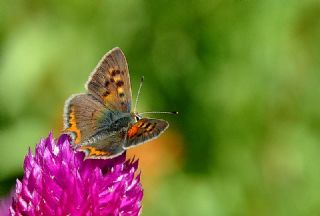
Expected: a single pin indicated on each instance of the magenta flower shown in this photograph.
(57, 181)
(5, 203)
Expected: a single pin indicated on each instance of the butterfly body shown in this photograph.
(100, 122)
(112, 121)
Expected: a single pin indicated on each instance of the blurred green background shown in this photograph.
(243, 74)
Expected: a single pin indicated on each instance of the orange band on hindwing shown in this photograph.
(94, 152)
(73, 126)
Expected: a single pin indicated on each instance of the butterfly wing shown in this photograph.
(84, 121)
(81, 117)
(110, 81)
(144, 130)
(105, 147)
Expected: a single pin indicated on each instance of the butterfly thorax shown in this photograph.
(113, 121)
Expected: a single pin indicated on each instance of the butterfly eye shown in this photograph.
(138, 117)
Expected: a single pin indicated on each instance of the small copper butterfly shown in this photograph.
(100, 122)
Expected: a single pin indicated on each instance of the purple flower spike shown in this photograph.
(58, 181)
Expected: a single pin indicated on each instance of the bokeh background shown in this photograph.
(243, 74)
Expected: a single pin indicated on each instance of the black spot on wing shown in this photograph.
(115, 72)
(147, 125)
(106, 93)
(119, 83)
(150, 128)
(106, 84)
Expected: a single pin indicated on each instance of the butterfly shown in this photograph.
(100, 122)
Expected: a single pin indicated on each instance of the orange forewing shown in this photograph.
(143, 130)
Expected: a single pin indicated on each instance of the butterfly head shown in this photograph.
(136, 116)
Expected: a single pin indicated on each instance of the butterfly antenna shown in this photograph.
(138, 94)
(171, 113)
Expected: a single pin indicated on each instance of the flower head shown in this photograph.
(58, 181)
